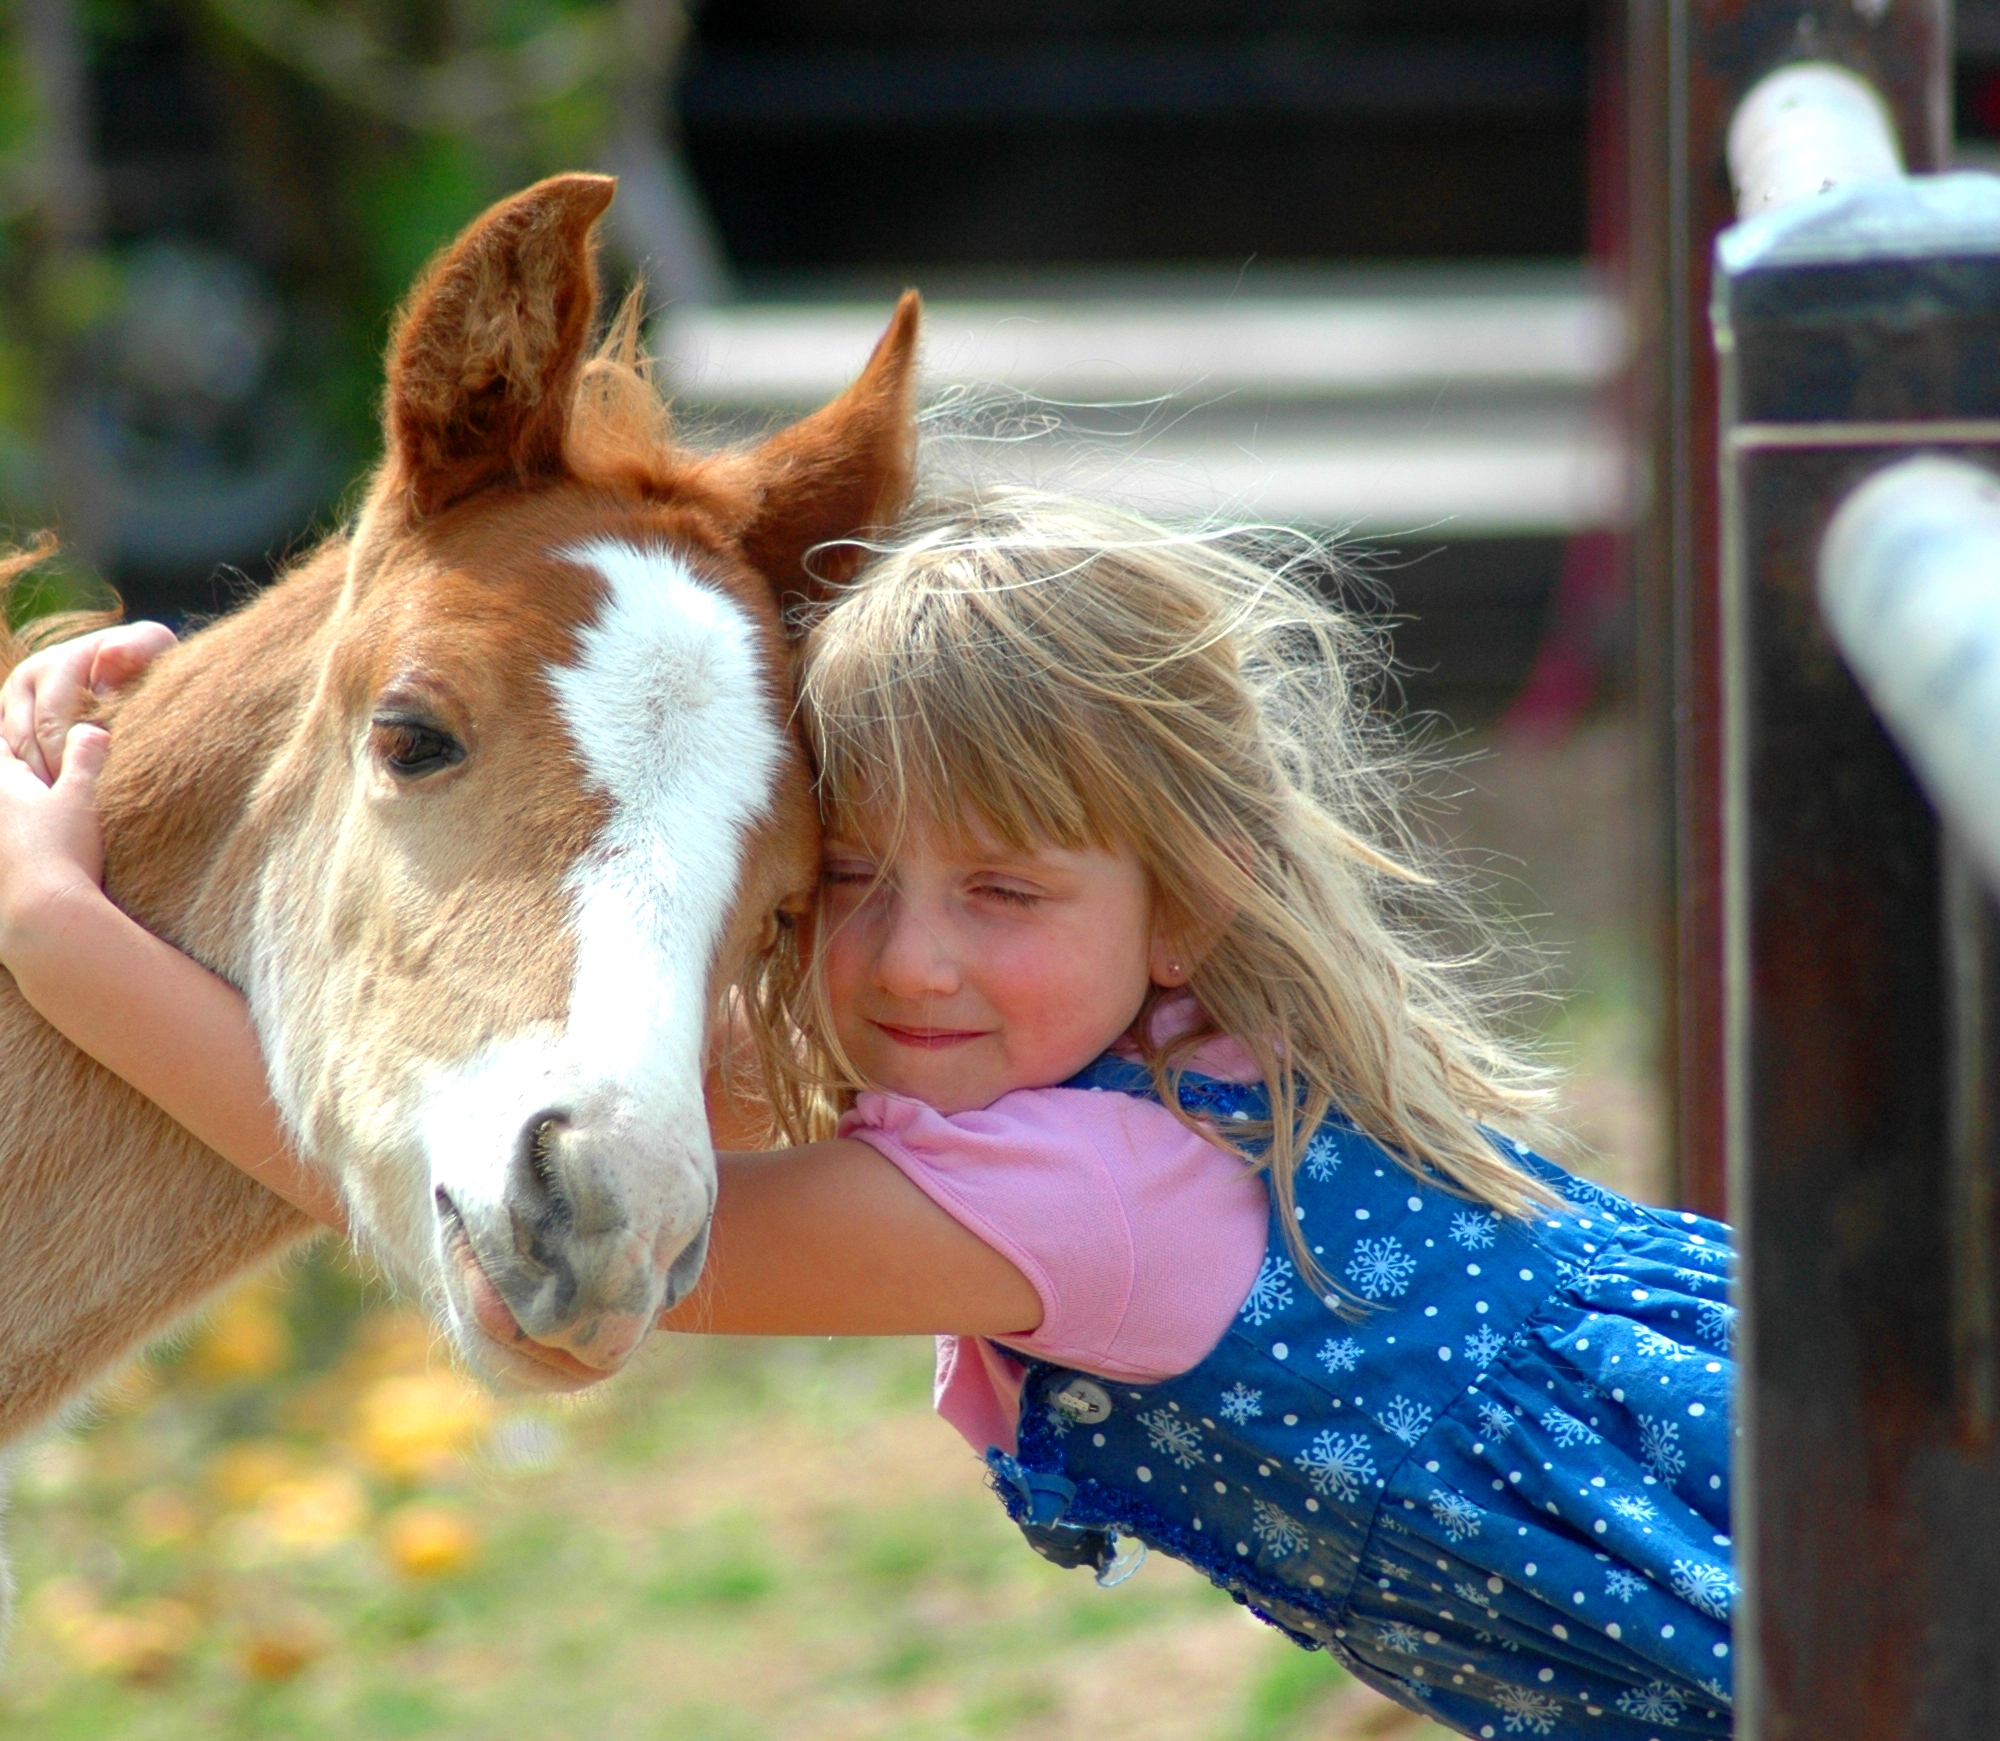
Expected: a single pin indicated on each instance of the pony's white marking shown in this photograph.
(668, 708)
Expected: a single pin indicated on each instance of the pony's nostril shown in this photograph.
(535, 1193)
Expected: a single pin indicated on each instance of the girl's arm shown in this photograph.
(828, 1240)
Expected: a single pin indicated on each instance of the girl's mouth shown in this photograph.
(927, 1039)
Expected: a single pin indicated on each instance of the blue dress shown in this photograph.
(1493, 1481)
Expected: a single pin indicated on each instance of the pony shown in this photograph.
(483, 804)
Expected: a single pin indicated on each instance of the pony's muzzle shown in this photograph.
(590, 1240)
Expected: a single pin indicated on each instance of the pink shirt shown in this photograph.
(1140, 1237)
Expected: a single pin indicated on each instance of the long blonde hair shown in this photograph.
(1045, 671)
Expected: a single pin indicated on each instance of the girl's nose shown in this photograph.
(915, 959)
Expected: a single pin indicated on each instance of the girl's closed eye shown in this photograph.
(1009, 894)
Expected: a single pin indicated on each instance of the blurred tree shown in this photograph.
(207, 208)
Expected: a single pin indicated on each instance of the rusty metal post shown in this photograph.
(1854, 329)
(1689, 63)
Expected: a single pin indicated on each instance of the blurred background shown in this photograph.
(1350, 265)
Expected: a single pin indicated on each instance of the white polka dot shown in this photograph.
(1720, 1649)
(1097, 1439)
(1143, 1473)
(1666, 1632)
(1317, 1582)
(1529, 1568)
(1479, 1305)
(1298, 1213)
(1527, 1275)
(1433, 1468)
(1361, 1215)
(1430, 1311)
(1640, 1294)
(1312, 1505)
(1713, 1366)
(1547, 1674)
(1615, 1629)
(1577, 1598)
(1560, 1630)
(1416, 1202)
(1583, 1342)
(1617, 1394)
(1243, 1548)
(1279, 1351)
(1472, 1269)
(1486, 1732)
(1444, 1353)
(1715, 1481)
(1695, 1408)
(1222, 1487)
(1598, 1526)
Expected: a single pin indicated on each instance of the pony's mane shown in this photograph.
(621, 430)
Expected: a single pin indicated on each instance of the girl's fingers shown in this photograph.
(83, 760)
(126, 651)
(61, 699)
(17, 732)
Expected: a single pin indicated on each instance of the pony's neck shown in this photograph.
(189, 746)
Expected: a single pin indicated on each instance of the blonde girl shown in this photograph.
(1120, 1052)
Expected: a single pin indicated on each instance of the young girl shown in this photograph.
(1117, 1053)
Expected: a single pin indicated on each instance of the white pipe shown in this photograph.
(1909, 582)
(1804, 130)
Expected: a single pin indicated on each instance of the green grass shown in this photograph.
(747, 1540)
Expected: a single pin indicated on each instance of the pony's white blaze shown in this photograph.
(669, 710)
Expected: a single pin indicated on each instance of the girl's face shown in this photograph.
(957, 975)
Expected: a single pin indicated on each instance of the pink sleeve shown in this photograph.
(1140, 1237)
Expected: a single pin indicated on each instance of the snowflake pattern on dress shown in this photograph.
(1341, 1356)
(1270, 1293)
(1281, 1534)
(1659, 1447)
(1567, 1431)
(1494, 1420)
(1456, 1515)
(1652, 1703)
(1322, 1158)
(1484, 1346)
(1400, 1637)
(1379, 1267)
(1173, 1436)
(1240, 1405)
(1717, 1691)
(1523, 1711)
(1467, 1591)
(1338, 1465)
(1635, 1508)
(1475, 1229)
(1704, 1586)
(1621, 1585)
(1408, 1420)
(1657, 1347)
(1716, 1323)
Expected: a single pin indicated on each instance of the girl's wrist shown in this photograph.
(39, 919)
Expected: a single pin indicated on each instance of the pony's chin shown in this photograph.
(494, 1343)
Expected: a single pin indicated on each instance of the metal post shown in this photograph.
(1853, 329)
(1689, 64)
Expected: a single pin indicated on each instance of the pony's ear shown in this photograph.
(486, 353)
(843, 472)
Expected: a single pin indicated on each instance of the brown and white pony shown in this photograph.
(480, 805)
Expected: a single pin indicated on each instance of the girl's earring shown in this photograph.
(1173, 969)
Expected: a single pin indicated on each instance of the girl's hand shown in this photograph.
(50, 692)
(51, 839)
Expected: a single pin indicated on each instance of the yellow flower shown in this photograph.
(423, 1540)
(140, 1643)
(245, 1338)
(419, 1424)
(312, 1512)
(279, 1645)
(243, 1472)
(161, 1517)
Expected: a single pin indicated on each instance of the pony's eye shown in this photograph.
(414, 747)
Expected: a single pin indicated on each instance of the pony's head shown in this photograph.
(546, 801)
